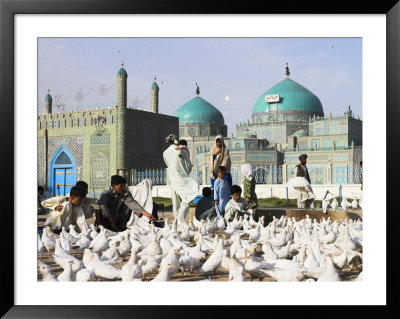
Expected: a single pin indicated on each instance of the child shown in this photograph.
(236, 204)
(249, 185)
(71, 212)
(221, 191)
(182, 146)
(204, 204)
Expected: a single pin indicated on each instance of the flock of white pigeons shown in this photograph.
(344, 204)
(285, 250)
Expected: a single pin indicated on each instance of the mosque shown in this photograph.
(286, 121)
(96, 144)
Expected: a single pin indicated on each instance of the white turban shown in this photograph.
(247, 171)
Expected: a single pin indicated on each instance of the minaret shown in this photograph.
(122, 77)
(154, 97)
(48, 103)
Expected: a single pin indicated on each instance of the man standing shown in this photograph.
(306, 197)
(117, 205)
(183, 188)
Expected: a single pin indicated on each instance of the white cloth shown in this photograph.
(183, 188)
(70, 214)
(52, 203)
(233, 207)
(305, 194)
(142, 194)
(247, 171)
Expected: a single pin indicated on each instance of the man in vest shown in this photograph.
(306, 198)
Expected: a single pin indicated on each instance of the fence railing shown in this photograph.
(157, 176)
(263, 175)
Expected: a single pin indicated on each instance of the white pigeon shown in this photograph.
(40, 246)
(330, 273)
(334, 204)
(325, 204)
(110, 253)
(269, 253)
(165, 273)
(67, 274)
(188, 263)
(101, 243)
(173, 259)
(354, 204)
(73, 232)
(102, 269)
(82, 243)
(149, 265)
(65, 243)
(62, 261)
(253, 268)
(48, 242)
(289, 274)
(46, 272)
(214, 261)
(131, 270)
(254, 234)
(125, 246)
(86, 274)
(236, 270)
(341, 260)
(283, 252)
(93, 234)
(311, 261)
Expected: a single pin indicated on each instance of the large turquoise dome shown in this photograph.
(198, 110)
(292, 97)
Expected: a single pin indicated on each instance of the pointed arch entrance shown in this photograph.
(62, 172)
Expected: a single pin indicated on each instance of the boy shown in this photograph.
(221, 192)
(236, 204)
(204, 204)
(182, 145)
(116, 206)
(70, 213)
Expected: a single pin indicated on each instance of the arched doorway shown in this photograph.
(62, 172)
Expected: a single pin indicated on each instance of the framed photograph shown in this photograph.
(28, 29)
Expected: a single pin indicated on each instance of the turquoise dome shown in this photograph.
(48, 98)
(292, 97)
(300, 133)
(198, 110)
(122, 72)
(154, 86)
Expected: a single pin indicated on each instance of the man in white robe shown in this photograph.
(183, 188)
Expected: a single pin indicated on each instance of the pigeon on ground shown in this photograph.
(67, 274)
(131, 270)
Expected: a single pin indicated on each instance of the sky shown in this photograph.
(232, 73)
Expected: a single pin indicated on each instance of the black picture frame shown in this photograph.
(8, 10)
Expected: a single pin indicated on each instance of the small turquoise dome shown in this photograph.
(48, 97)
(122, 72)
(300, 133)
(154, 86)
(292, 97)
(198, 110)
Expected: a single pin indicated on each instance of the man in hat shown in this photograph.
(183, 188)
(306, 198)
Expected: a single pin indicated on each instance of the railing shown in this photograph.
(262, 175)
(157, 176)
(312, 149)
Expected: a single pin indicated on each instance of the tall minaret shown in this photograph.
(154, 96)
(48, 103)
(122, 77)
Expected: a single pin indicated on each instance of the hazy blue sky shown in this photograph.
(232, 72)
